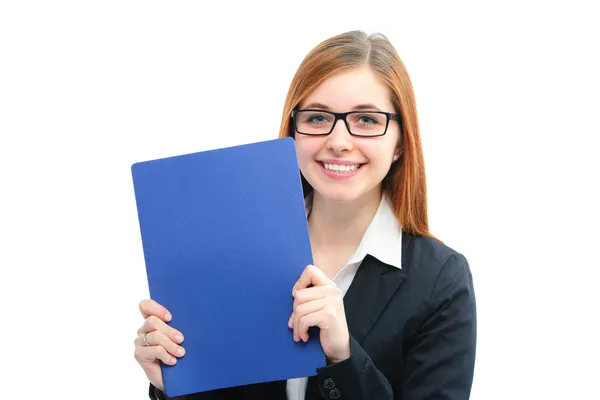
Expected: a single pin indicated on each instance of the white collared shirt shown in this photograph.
(382, 240)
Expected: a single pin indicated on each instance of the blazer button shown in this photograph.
(329, 383)
(334, 393)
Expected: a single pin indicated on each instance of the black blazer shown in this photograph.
(412, 333)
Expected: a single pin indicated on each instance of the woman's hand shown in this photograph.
(321, 305)
(156, 341)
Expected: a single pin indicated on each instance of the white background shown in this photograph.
(508, 100)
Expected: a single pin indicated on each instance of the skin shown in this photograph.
(341, 213)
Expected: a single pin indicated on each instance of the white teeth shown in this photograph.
(341, 168)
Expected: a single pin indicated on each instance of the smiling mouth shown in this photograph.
(341, 168)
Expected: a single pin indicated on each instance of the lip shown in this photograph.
(339, 175)
(340, 162)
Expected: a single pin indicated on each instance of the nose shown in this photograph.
(339, 140)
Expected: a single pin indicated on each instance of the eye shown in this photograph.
(315, 118)
(366, 119)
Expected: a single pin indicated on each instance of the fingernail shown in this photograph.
(168, 316)
(179, 337)
(290, 323)
(173, 360)
(181, 351)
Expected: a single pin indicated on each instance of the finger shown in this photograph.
(148, 354)
(159, 338)
(316, 292)
(150, 307)
(313, 319)
(153, 323)
(303, 310)
(311, 276)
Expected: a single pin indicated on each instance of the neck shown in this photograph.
(338, 225)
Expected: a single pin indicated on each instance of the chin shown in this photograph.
(338, 194)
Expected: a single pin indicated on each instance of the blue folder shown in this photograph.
(225, 237)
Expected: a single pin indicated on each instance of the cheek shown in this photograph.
(378, 152)
(307, 149)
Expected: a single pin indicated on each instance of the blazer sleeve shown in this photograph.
(355, 378)
(439, 358)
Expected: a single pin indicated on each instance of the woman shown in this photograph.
(395, 307)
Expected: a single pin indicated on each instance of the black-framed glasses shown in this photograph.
(315, 122)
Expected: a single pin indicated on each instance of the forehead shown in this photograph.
(345, 90)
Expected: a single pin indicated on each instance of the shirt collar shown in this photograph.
(383, 238)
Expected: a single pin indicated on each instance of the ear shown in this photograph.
(399, 150)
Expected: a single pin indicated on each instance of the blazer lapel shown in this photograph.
(371, 290)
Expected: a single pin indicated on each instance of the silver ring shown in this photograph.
(145, 339)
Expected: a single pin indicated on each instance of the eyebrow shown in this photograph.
(368, 106)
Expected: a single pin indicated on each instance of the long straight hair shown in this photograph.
(405, 183)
